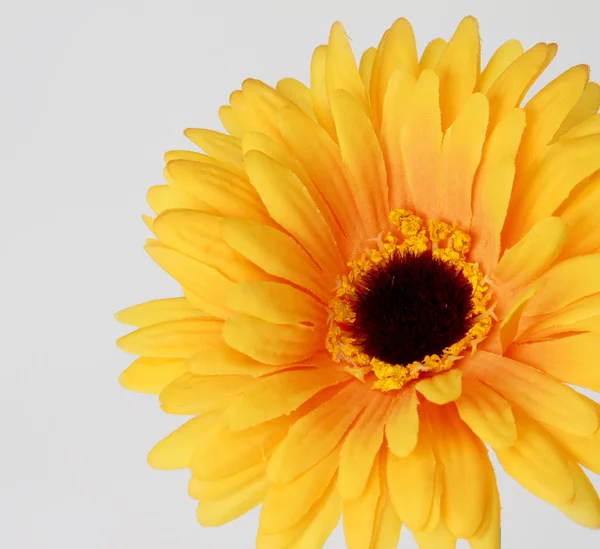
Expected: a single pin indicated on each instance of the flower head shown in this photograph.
(386, 275)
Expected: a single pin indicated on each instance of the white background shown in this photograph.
(91, 95)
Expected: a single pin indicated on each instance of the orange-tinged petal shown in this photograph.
(363, 159)
(219, 488)
(297, 93)
(570, 359)
(580, 215)
(223, 147)
(501, 59)
(151, 375)
(585, 450)
(215, 512)
(313, 530)
(411, 481)
(395, 112)
(271, 343)
(158, 310)
(509, 327)
(487, 413)
(431, 54)
(441, 388)
(537, 463)
(276, 253)
(589, 126)
(175, 451)
(173, 339)
(204, 281)
(402, 424)
(318, 88)
(290, 205)
(315, 435)
(277, 395)
(360, 513)
(533, 254)
(197, 235)
(587, 106)
(365, 67)
(567, 282)
(421, 142)
(509, 89)
(192, 394)
(461, 456)
(286, 504)
(361, 446)
(458, 69)
(341, 70)
(386, 532)
(460, 157)
(536, 393)
(275, 302)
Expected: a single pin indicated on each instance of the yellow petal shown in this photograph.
(458, 69)
(461, 456)
(509, 327)
(363, 159)
(402, 425)
(264, 102)
(313, 530)
(488, 535)
(487, 413)
(197, 235)
(411, 481)
(545, 399)
(584, 509)
(298, 94)
(460, 157)
(276, 253)
(321, 158)
(173, 339)
(230, 121)
(580, 216)
(341, 70)
(537, 463)
(533, 254)
(275, 302)
(237, 450)
(585, 450)
(365, 67)
(396, 108)
(221, 189)
(567, 282)
(223, 360)
(151, 375)
(176, 450)
(501, 59)
(316, 434)
(569, 359)
(441, 388)
(431, 54)
(589, 126)
(158, 310)
(286, 504)
(509, 88)
(440, 538)
(396, 50)
(277, 395)
(290, 205)
(163, 197)
(587, 106)
(222, 487)
(318, 88)
(271, 343)
(360, 448)
(421, 142)
(567, 162)
(387, 525)
(223, 147)
(192, 394)
(204, 281)
(220, 511)
(547, 110)
(183, 154)
(359, 514)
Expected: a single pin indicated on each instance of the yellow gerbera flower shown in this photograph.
(385, 275)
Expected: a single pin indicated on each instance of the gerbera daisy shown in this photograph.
(386, 275)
